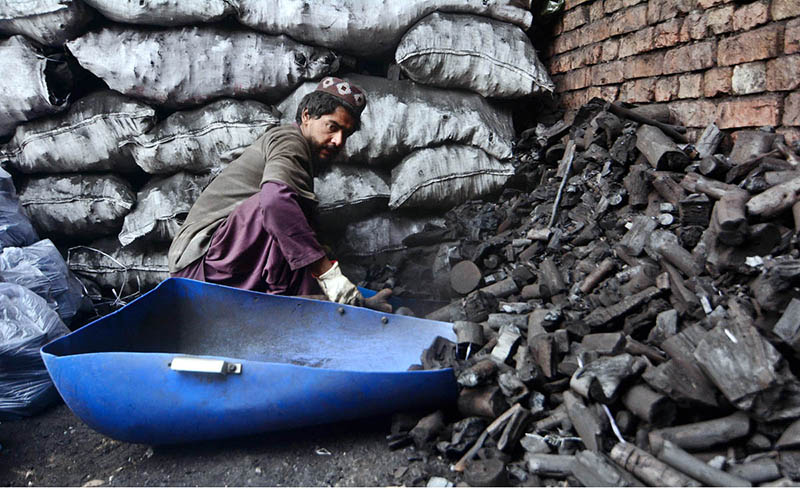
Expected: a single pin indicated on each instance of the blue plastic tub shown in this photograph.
(191, 361)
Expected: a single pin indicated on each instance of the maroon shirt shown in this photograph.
(265, 244)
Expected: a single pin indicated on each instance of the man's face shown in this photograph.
(327, 134)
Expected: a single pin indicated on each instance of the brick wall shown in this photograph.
(710, 60)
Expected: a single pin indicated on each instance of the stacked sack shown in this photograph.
(110, 176)
(38, 295)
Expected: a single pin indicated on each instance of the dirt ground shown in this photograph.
(55, 448)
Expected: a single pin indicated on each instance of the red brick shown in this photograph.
(720, 20)
(610, 50)
(559, 64)
(660, 10)
(666, 88)
(690, 85)
(791, 134)
(576, 18)
(566, 42)
(607, 93)
(638, 91)
(574, 99)
(694, 113)
(706, 4)
(594, 32)
(608, 73)
(611, 6)
(690, 58)
(791, 110)
(694, 27)
(752, 15)
(596, 11)
(792, 37)
(783, 9)
(667, 34)
(749, 78)
(754, 111)
(717, 81)
(783, 74)
(644, 65)
(628, 20)
(573, 80)
(753, 45)
(571, 4)
(636, 43)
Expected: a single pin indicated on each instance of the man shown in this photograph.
(250, 228)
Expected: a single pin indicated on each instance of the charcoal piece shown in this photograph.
(760, 471)
(551, 281)
(709, 141)
(602, 378)
(647, 468)
(502, 288)
(512, 387)
(602, 316)
(650, 406)
(749, 144)
(666, 326)
(485, 472)
(507, 342)
(790, 438)
(545, 354)
(636, 348)
(695, 210)
(665, 244)
(478, 305)
(686, 463)
(487, 401)
(427, 429)
(465, 277)
(774, 200)
(534, 444)
(550, 465)
(636, 238)
(478, 374)
(440, 355)
(595, 469)
(669, 190)
(513, 430)
(608, 343)
(498, 320)
(623, 150)
(659, 150)
(714, 166)
(465, 433)
(703, 435)
(683, 385)
(789, 462)
(749, 371)
(590, 427)
(788, 326)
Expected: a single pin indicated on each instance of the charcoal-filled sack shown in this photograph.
(403, 116)
(128, 270)
(159, 12)
(202, 140)
(87, 137)
(77, 207)
(41, 269)
(347, 194)
(381, 233)
(16, 228)
(48, 22)
(446, 176)
(28, 87)
(191, 66)
(364, 27)
(492, 58)
(161, 207)
(26, 324)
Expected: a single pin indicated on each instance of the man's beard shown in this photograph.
(316, 150)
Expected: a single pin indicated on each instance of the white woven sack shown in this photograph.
(403, 116)
(347, 194)
(163, 12)
(78, 207)
(128, 270)
(489, 57)
(161, 207)
(364, 27)
(446, 176)
(48, 22)
(88, 137)
(202, 140)
(194, 65)
(25, 91)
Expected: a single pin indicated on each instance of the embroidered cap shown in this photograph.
(345, 90)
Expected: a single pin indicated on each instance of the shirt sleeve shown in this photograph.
(286, 222)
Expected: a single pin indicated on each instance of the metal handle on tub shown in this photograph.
(204, 365)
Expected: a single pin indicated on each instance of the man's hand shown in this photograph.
(379, 301)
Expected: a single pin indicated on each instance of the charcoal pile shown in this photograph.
(119, 114)
(627, 313)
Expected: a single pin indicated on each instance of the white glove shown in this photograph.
(338, 288)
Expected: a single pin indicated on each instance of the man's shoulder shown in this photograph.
(284, 137)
